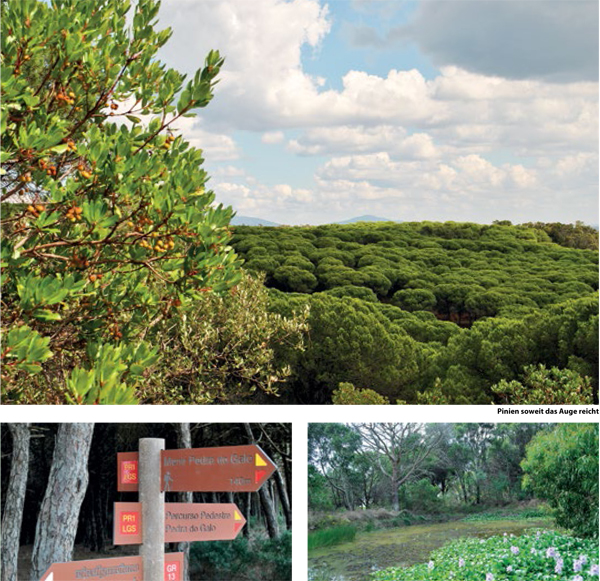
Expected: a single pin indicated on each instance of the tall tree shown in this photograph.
(332, 449)
(265, 498)
(561, 466)
(15, 500)
(404, 446)
(59, 513)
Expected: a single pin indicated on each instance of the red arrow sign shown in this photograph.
(184, 522)
(223, 469)
(115, 569)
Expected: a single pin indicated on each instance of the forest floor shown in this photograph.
(404, 546)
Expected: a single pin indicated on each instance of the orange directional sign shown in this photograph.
(127, 471)
(115, 569)
(223, 469)
(184, 522)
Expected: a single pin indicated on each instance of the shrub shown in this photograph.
(546, 386)
(113, 202)
(561, 467)
(226, 350)
(347, 394)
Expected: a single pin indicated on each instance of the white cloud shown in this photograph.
(556, 40)
(216, 146)
(265, 88)
(272, 137)
(417, 145)
(258, 199)
(228, 171)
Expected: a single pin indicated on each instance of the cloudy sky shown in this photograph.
(411, 110)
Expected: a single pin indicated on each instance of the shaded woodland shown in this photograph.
(267, 534)
(442, 470)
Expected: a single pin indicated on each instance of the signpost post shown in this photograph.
(153, 508)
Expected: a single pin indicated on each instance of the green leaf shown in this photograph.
(59, 148)
(46, 315)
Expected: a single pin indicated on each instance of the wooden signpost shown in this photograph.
(184, 522)
(114, 569)
(152, 522)
(221, 469)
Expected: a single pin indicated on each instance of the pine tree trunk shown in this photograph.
(285, 503)
(59, 514)
(247, 510)
(269, 512)
(15, 500)
(265, 500)
(184, 440)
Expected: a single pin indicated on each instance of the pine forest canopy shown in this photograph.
(437, 312)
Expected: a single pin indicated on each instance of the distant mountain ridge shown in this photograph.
(366, 218)
(251, 221)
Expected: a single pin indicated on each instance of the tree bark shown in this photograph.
(15, 500)
(184, 440)
(247, 510)
(285, 503)
(269, 512)
(265, 500)
(59, 514)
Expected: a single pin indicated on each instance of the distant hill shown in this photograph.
(249, 221)
(366, 218)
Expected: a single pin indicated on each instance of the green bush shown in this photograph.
(561, 467)
(268, 559)
(420, 496)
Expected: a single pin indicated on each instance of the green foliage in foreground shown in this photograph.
(102, 201)
(227, 350)
(347, 394)
(268, 559)
(547, 556)
(561, 467)
(330, 537)
(546, 386)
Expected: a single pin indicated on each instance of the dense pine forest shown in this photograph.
(426, 312)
